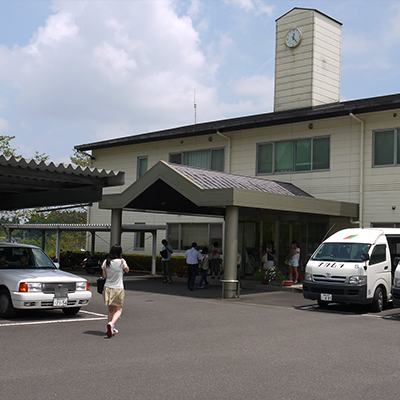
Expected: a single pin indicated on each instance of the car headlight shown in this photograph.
(30, 287)
(82, 286)
(308, 276)
(396, 282)
(358, 280)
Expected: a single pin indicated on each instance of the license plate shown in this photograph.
(60, 301)
(326, 297)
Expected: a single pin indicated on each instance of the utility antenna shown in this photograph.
(195, 106)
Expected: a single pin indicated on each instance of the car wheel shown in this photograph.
(71, 311)
(378, 300)
(6, 307)
(322, 303)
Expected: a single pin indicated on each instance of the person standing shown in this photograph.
(204, 266)
(216, 260)
(193, 258)
(271, 253)
(294, 262)
(113, 269)
(166, 261)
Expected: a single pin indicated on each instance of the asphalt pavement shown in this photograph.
(176, 344)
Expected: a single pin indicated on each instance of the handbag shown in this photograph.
(164, 253)
(100, 285)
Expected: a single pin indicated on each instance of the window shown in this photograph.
(141, 166)
(209, 159)
(139, 238)
(386, 147)
(181, 236)
(378, 254)
(293, 155)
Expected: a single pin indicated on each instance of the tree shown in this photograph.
(81, 159)
(41, 157)
(5, 147)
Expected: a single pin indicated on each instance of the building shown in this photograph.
(313, 166)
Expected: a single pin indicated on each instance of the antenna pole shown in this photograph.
(195, 106)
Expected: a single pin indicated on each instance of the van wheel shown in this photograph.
(322, 303)
(378, 300)
(6, 307)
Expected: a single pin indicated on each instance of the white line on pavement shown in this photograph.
(60, 321)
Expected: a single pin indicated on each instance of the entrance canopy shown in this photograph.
(30, 184)
(179, 189)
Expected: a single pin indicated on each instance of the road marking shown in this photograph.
(97, 317)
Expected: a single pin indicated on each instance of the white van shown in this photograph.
(354, 266)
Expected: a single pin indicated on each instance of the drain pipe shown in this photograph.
(361, 186)
(229, 149)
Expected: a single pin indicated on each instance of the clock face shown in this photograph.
(293, 38)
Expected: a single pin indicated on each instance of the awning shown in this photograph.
(30, 184)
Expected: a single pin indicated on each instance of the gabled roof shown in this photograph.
(309, 114)
(207, 179)
(29, 183)
(178, 189)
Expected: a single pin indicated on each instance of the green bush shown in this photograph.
(136, 262)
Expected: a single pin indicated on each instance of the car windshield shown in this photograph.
(341, 251)
(24, 258)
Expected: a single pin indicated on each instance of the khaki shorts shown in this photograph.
(113, 296)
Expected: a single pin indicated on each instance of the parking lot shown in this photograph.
(177, 344)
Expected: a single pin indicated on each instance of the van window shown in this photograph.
(341, 251)
(378, 254)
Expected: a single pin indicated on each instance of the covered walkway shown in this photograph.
(195, 191)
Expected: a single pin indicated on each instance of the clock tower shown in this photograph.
(307, 59)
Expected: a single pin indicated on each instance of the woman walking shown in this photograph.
(113, 269)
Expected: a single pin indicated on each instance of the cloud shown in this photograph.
(103, 69)
(256, 6)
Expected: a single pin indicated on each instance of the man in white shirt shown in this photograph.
(193, 257)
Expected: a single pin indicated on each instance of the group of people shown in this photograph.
(293, 259)
(114, 267)
(196, 259)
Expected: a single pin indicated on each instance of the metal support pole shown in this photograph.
(230, 286)
(58, 245)
(153, 253)
(116, 226)
(93, 243)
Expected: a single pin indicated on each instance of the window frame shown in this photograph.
(138, 162)
(293, 151)
(396, 155)
(212, 151)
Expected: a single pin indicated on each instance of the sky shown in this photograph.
(81, 71)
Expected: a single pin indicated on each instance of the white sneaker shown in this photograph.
(115, 331)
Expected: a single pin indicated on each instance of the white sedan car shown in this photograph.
(30, 280)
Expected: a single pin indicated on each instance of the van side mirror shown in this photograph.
(365, 256)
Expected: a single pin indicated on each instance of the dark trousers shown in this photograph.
(192, 272)
(203, 277)
(167, 270)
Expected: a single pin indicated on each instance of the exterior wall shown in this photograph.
(309, 74)
(341, 182)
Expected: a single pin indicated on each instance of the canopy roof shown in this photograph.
(179, 189)
(29, 183)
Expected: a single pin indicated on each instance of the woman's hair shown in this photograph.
(115, 252)
(204, 251)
